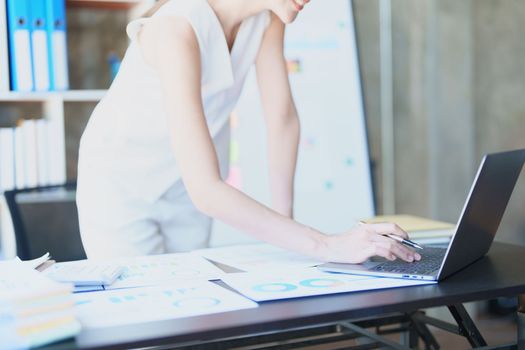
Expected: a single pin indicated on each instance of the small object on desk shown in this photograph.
(46, 264)
(84, 273)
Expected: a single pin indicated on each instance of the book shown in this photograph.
(20, 171)
(7, 159)
(30, 152)
(42, 141)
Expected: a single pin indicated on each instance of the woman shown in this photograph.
(154, 154)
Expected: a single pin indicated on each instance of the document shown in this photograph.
(32, 264)
(257, 257)
(160, 269)
(307, 282)
(147, 304)
(19, 280)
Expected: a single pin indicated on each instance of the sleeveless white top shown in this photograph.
(126, 144)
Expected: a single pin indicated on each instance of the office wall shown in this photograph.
(458, 87)
(499, 81)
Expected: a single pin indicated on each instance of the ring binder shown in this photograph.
(39, 44)
(21, 70)
(56, 33)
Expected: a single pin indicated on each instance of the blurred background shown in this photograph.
(457, 91)
(458, 85)
(442, 83)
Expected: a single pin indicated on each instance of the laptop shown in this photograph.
(489, 195)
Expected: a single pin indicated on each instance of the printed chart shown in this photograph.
(148, 304)
(307, 282)
(258, 257)
(161, 269)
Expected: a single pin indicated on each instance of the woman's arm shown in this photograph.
(169, 45)
(281, 118)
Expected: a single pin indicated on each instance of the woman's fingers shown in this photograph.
(386, 228)
(396, 248)
(384, 252)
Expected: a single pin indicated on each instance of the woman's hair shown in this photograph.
(154, 9)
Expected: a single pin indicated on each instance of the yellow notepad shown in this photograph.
(415, 224)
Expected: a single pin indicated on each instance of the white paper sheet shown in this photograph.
(137, 305)
(159, 269)
(18, 281)
(32, 264)
(257, 257)
(307, 282)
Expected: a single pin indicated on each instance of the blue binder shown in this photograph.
(56, 32)
(21, 70)
(4, 51)
(39, 45)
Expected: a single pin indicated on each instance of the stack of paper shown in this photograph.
(421, 230)
(33, 309)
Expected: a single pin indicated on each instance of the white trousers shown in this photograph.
(115, 225)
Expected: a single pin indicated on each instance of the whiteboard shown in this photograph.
(333, 186)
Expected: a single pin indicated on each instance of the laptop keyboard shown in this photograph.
(431, 259)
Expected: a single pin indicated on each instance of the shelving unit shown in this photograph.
(53, 108)
(65, 96)
(53, 105)
(53, 111)
(114, 4)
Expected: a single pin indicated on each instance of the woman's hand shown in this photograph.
(366, 241)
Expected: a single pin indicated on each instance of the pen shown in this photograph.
(406, 242)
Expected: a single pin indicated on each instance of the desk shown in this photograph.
(500, 274)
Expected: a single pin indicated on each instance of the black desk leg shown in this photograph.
(467, 328)
(521, 321)
(423, 331)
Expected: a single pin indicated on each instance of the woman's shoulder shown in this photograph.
(172, 16)
(181, 7)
